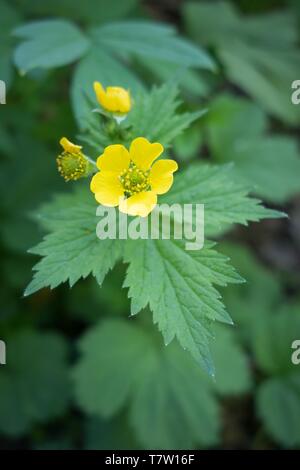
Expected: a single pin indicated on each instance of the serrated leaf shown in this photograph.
(48, 43)
(161, 272)
(155, 115)
(34, 383)
(223, 195)
(171, 404)
(72, 250)
(178, 286)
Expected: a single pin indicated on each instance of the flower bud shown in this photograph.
(71, 163)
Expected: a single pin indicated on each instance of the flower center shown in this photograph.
(72, 166)
(134, 180)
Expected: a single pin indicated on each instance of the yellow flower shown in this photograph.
(71, 163)
(114, 99)
(129, 180)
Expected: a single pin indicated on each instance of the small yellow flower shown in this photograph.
(129, 180)
(114, 99)
(71, 163)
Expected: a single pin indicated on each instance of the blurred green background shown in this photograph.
(79, 373)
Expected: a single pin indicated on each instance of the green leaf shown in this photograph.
(177, 285)
(230, 121)
(223, 194)
(34, 383)
(278, 398)
(251, 69)
(231, 363)
(114, 47)
(236, 132)
(154, 115)
(48, 43)
(272, 340)
(262, 63)
(72, 250)
(153, 40)
(187, 145)
(278, 405)
(269, 330)
(161, 272)
(272, 164)
(164, 275)
(190, 80)
(258, 296)
(171, 405)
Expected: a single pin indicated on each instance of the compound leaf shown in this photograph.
(48, 43)
(72, 250)
(171, 403)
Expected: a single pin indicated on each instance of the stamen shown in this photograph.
(134, 180)
(72, 166)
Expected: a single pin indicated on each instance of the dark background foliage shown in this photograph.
(250, 122)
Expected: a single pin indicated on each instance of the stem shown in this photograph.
(91, 161)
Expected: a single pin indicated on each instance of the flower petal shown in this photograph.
(140, 204)
(114, 99)
(69, 146)
(114, 158)
(161, 175)
(143, 153)
(107, 188)
(119, 99)
(100, 92)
